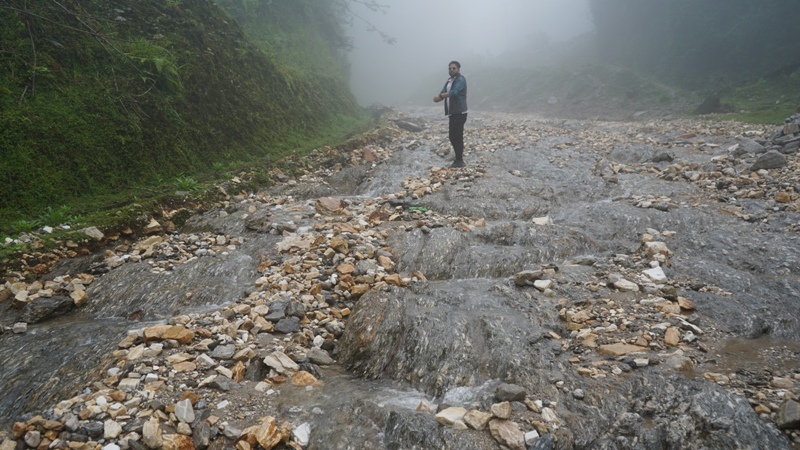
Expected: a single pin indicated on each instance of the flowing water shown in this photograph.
(466, 330)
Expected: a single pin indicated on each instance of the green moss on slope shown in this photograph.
(98, 96)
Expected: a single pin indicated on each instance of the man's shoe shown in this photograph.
(458, 163)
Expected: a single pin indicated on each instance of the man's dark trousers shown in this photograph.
(457, 122)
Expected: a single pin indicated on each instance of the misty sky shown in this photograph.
(431, 33)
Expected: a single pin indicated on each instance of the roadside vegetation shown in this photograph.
(110, 111)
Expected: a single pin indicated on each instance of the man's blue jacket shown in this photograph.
(457, 96)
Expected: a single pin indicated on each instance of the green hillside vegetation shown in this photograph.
(698, 45)
(102, 100)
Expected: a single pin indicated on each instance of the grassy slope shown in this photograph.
(102, 102)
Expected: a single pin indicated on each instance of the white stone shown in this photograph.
(224, 371)
(281, 363)
(111, 429)
(543, 285)
(184, 429)
(153, 351)
(549, 415)
(450, 415)
(223, 404)
(93, 232)
(207, 381)
(135, 353)
(541, 221)
(625, 285)
(129, 384)
(302, 434)
(184, 411)
(656, 274)
(531, 437)
(205, 360)
(151, 434)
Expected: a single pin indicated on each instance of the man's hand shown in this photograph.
(438, 98)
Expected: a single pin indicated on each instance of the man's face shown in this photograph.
(453, 70)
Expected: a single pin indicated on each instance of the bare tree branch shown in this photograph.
(374, 6)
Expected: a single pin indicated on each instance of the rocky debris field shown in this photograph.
(577, 285)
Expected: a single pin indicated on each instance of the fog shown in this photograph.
(431, 33)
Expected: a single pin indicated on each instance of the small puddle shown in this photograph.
(739, 353)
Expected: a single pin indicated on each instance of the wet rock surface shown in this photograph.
(580, 284)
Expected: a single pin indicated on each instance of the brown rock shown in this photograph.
(672, 336)
(154, 333)
(502, 410)
(128, 341)
(393, 279)
(79, 297)
(507, 433)
(153, 227)
(386, 262)
(303, 378)
(345, 269)
(268, 434)
(339, 244)
(186, 366)
(359, 290)
(238, 371)
(782, 383)
(477, 420)
(19, 429)
(579, 317)
(245, 354)
(177, 442)
(53, 425)
(178, 333)
(783, 197)
(620, 349)
(686, 304)
(761, 409)
(330, 205)
(670, 308)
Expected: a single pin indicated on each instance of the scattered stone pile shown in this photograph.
(192, 381)
(786, 139)
(504, 418)
(650, 324)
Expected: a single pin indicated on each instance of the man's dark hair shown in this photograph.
(458, 64)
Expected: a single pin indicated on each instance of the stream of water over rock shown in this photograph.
(574, 199)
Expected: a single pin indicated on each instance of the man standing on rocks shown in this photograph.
(454, 94)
